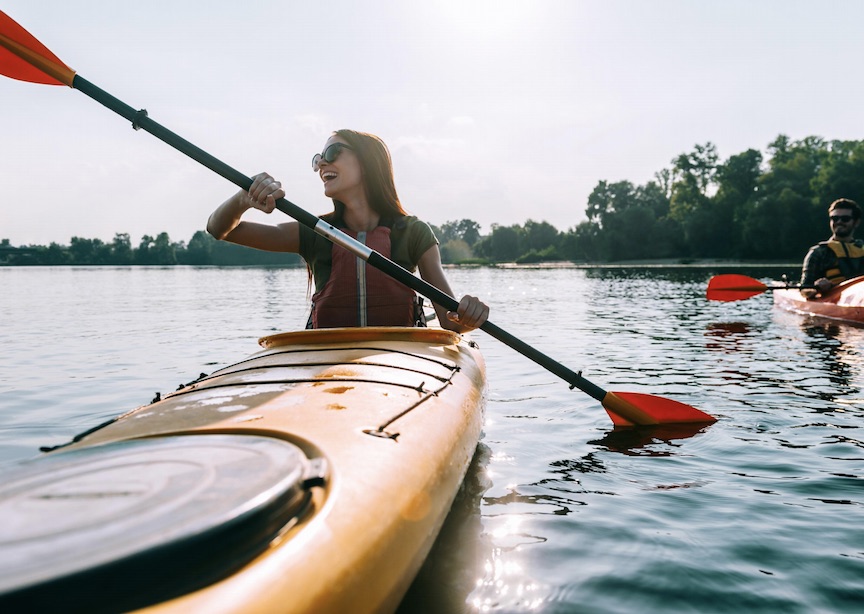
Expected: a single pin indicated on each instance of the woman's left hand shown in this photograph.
(471, 313)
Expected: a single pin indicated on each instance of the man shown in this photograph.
(839, 258)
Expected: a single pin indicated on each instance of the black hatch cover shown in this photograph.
(127, 524)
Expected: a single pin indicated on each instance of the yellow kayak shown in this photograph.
(313, 476)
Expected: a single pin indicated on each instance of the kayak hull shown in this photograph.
(844, 303)
(392, 415)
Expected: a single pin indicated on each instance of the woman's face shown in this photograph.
(342, 176)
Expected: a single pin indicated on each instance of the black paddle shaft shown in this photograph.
(140, 120)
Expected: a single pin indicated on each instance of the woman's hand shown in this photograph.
(471, 313)
(263, 193)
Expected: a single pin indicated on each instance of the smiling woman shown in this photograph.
(357, 174)
(375, 204)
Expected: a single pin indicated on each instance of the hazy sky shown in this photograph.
(495, 110)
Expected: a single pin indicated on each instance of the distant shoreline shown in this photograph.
(640, 264)
(644, 264)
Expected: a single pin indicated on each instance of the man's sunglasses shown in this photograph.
(841, 218)
(329, 155)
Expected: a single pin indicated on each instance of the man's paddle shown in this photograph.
(734, 287)
(25, 58)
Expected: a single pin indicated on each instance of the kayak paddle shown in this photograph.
(24, 58)
(734, 287)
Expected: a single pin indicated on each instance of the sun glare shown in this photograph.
(485, 17)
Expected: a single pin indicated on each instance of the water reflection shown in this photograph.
(727, 329)
(726, 336)
(649, 440)
(581, 517)
(474, 566)
(459, 559)
(479, 562)
(506, 583)
(842, 360)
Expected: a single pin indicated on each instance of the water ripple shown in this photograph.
(759, 512)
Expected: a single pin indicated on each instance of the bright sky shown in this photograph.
(498, 111)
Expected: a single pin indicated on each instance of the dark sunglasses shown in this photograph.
(329, 155)
(841, 218)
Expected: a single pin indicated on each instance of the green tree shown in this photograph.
(121, 249)
(163, 251)
(737, 191)
(200, 249)
(462, 230)
(690, 206)
(784, 220)
(89, 251)
(144, 253)
(655, 197)
(692, 177)
(55, 254)
(607, 199)
(629, 222)
(456, 251)
(840, 175)
(701, 164)
(584, 243)
(538, 236)
(501, 245)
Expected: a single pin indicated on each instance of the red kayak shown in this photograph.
(844, 302)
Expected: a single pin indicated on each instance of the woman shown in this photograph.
(358, 175)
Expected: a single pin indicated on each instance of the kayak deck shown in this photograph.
(843, 303)
(386, 421)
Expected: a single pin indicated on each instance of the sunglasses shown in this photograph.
(329, 155)
(841, 218)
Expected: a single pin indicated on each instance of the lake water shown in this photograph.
(762, 511)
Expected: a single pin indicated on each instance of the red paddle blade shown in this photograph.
(24, 58)
(733, 287)
(636, 408)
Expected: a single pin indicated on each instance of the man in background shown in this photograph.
(839, 258)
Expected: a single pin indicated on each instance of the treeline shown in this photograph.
(745, 207)
(202, 249)
(748, 207)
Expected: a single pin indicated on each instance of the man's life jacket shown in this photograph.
(357, 294)
(848, 262)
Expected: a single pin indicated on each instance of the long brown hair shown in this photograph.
(377, 171)
(376, 168)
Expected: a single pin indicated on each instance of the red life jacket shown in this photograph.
(357, 294)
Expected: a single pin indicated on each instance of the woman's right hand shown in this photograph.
(262, 194)
(471, 313)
